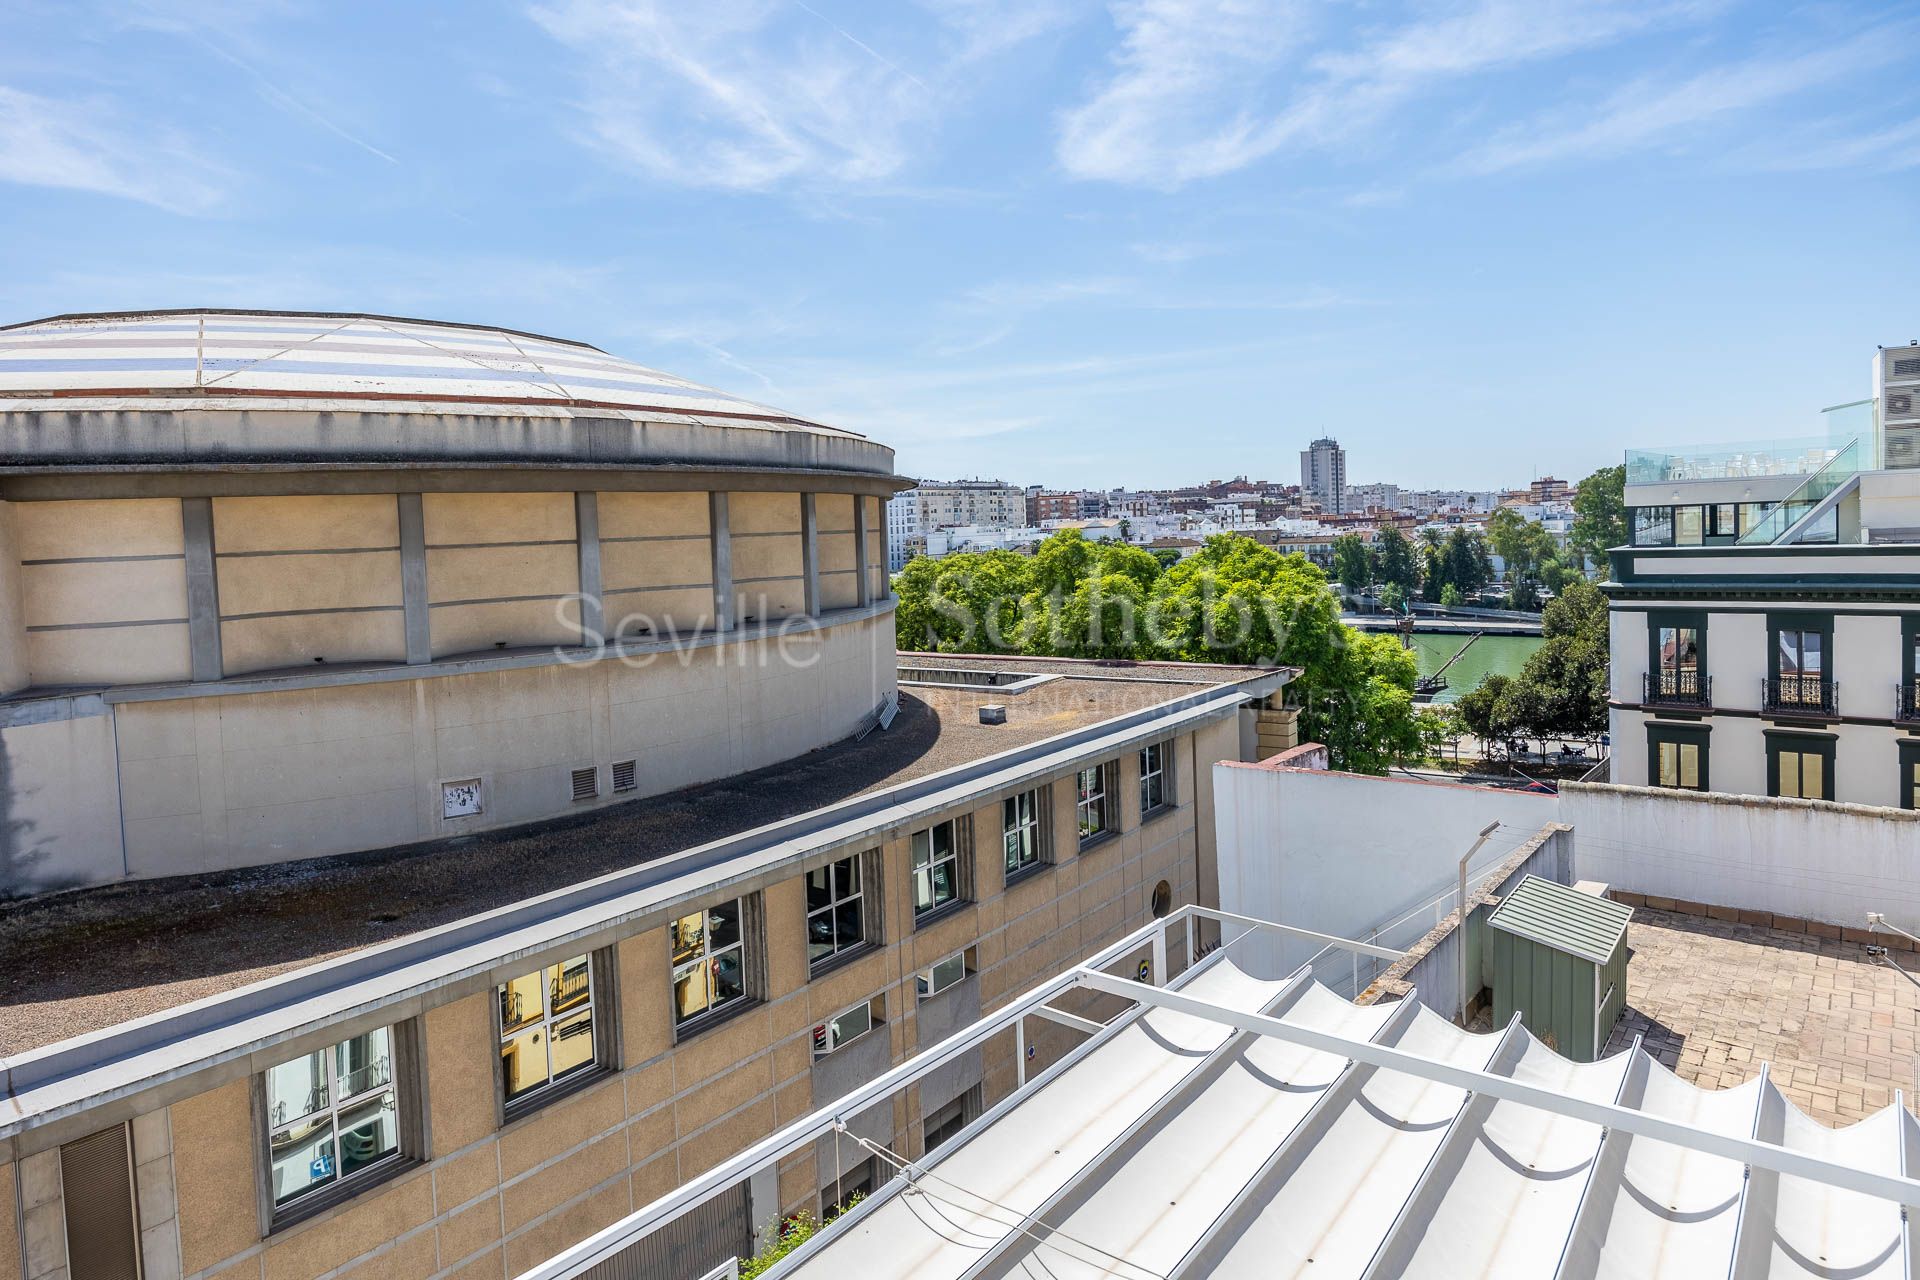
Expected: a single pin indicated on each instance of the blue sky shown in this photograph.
(1067, 242)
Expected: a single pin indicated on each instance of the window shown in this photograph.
(1020, 831)
(1153, 778)
(1652, 526)
(332, 1117)
(845, 1027)
(1799, 664)
(943, 974)
(97, 1194)
(1725, 520)
(1677, 756)
(1095, 818)
(949, 1120)
(1751, 514)
(849, 1189)
(936, 867)
(546, 1028)
(836, 911)
(1688, 526)
(1800, 766)
(709, 956)
(1678, 657)
(1909, 771)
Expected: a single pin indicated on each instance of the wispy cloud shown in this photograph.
(760, 94)
(1653, 111)
(91, 145)
(1201, 88)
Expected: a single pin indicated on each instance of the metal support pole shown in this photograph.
(1159, 953)
(1020, 1053)
(1460, 948)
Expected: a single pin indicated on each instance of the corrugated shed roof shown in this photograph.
(1555, 915)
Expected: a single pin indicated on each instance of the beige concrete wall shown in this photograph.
(494, 1200)
(839, 575)
(14, 673)
(305, 580)
(876, 549)
(499, 569)
(767, 557)
(59, 815)
(10, 1260)
(656, 562)
(103, 590)
(245, 779)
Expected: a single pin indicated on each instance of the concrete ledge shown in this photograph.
(1765, 920)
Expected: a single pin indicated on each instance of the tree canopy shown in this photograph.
(1561, 692)
(1600, 514)
(1234, 601)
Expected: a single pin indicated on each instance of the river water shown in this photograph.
(1504, 654)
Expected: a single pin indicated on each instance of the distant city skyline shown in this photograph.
(1475, 243)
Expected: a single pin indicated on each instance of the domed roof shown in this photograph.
(211, 355)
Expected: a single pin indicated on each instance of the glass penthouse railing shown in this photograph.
(1796, 457)
(1811, 492)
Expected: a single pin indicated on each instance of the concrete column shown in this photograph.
(586, 532)
(863, 593)
(810, 554)
(413, 579)
(203, 589)
(722, 539)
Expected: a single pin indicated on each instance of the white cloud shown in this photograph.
(1201, 88)
(1654, 112)
(760, 94)
(88, 145)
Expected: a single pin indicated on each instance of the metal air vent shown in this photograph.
(1899, 404)
(586, 783)
(96, 1181)
(625, 775)
(1906, 368)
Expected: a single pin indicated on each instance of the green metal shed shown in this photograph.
(1560, 959)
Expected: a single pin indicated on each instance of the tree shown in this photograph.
(1561, 691)
(1393, 598)
(1393, 561)
(1233, 601)
(1600, 514)
(1352, 565)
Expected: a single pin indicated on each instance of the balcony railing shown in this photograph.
(1906, 704)
(1807, 694)
(1676, 689)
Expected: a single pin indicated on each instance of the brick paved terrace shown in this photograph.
(1716, 998)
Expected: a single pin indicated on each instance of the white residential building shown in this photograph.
(1765, 615)
(1323, 474)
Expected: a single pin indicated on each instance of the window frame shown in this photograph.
(867, 865)
(875, 1009)
(1163, 774)
(711, 1015)
(404, 1082)
(600, 1007)
(1802, 623)
(1678, 619)
(961, 881)
(928, 991)
(1800, 742)
(1698, 522)
(1678, 735)
(1909, 752)
(1034, 825)
(1107, 771)
(1652, 524)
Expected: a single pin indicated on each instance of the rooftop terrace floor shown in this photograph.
(85, 960)
(1715, 999)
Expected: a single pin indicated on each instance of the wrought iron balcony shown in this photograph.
(1906, 704)
(1805, 694)
(1676, 689)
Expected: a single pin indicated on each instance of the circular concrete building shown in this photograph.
(277, 585)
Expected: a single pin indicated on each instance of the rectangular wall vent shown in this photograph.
(1906, 368)
(96, 1182)
(626, 775)
(586, 783)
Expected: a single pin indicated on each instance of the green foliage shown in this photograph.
(790, 1235)
(1561, 692)
(1394, 562)
(1393, 597)
(1233, 601)
(1600, 514)
(1167, 556)
(1352, 562)
(1450, 597)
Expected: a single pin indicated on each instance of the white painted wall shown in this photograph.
(1827, 862)
(1342, 853)
(59, 806)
